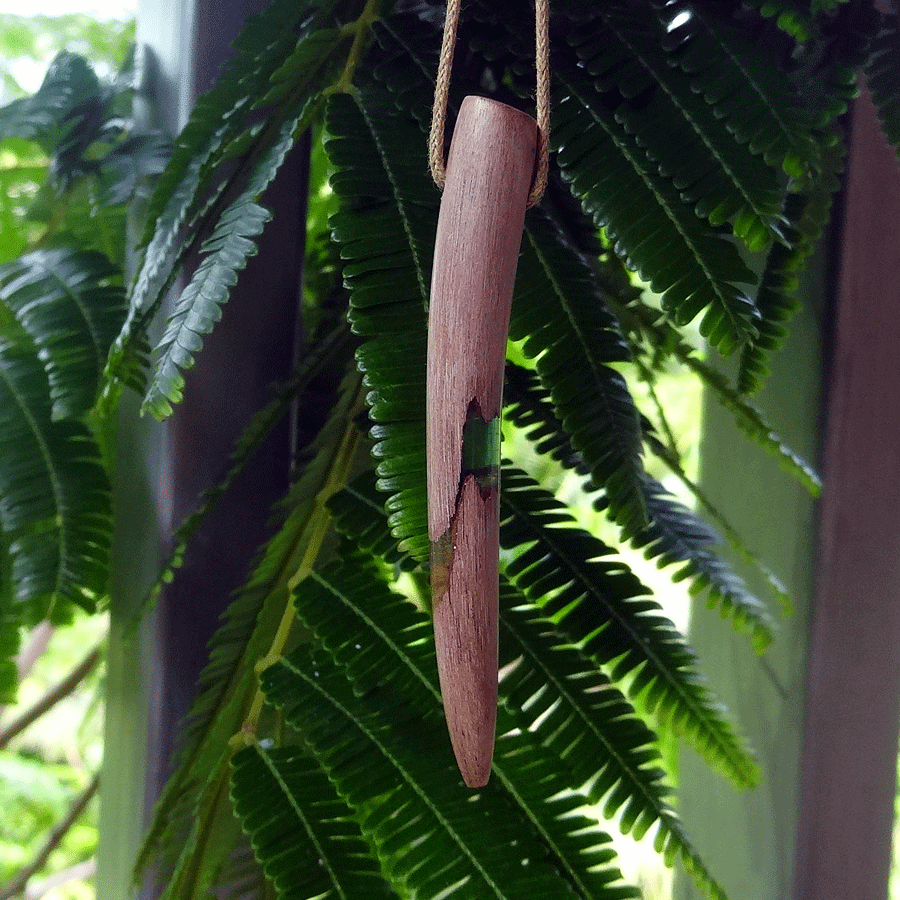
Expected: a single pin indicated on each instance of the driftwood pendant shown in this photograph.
(489, 174)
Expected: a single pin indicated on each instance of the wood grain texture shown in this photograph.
(489, 174)
(465, 632)
(849, 762)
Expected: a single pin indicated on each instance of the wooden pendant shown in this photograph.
(489, 174)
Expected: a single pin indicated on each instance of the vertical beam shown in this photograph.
(747, 838)
(164, 27)
(153, 680)
(853, 680)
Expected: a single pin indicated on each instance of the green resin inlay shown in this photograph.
(481, 450)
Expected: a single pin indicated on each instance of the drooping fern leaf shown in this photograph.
(281, 67)
(743, 84)
(226, 252)
(382, 180)
(601, 606)
(559, 313)
(661, 334)
(692, 266)
(384, 647)
(551, 689)
(673, 535)
(302, 832)
(659, 106)
(548, 689)
(72, 305)
(195, 797)
(54, 494)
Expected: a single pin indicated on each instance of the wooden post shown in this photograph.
(489, 174)
(849, 761)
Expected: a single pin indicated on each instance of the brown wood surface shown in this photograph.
(479, 233)
(489, 173)
(465, 633)
(849, 755)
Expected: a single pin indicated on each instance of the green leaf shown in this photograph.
(224, 255)
(673, 534)
(72, 305)
(394, 768)
(277, 75)
(50, 114)
(744, 85)
(302, 832)
(672, 123)
(690, 264)
(559, 312)
(195, 797)
(386, 229)
(54, 494)
(660, 334)
(599, 604)
(550, 688)
(383, 642)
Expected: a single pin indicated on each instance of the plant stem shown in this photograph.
(58, 692)
(360, 29)
(320, 523)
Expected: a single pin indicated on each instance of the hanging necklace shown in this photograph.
(496, 169)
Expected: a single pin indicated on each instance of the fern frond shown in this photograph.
(601, 606)
(302, 832)
(673, 124)
(735, 541)
(54, 494)
(358, 513)
(383, 184)
(226, 252)
(228, 683)
(71, 305)
(559, 312)
(224, 125)
(744, 85)
(691, 265)
(551, 689)
(392, 765)
(385, 647)
(660, 334)
(673, 535)
(548, 691)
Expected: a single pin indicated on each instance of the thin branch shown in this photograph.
(31, 652)
(78, 872)
(60, 830)
(58, 692)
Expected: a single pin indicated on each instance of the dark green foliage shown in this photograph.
(54, 494)
(385, 229)
(394, 676)
(695, 142)
(596, 602)
(560, 315)
(306, 73)
(673, 536)
(71, 304)
(281, 68)
(100, 156)
(333, 860)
